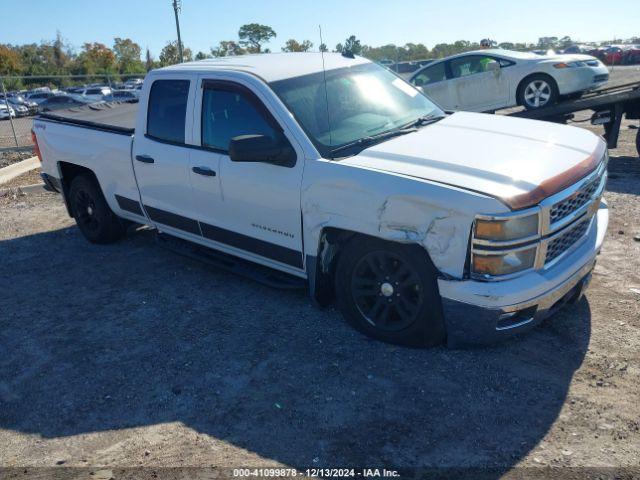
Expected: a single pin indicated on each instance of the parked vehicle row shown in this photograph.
(44, 99)
(610, 54)
(493, 79)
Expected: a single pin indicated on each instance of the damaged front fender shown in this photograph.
(395, 208)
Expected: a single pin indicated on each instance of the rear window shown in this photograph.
(167, 110)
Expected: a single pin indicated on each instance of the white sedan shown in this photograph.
(487, 80)
(6, 112)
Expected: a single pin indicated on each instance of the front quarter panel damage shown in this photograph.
(392, 207)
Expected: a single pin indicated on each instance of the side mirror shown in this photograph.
(493, 66)
(262, 149)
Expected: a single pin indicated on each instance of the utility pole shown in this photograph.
(176, 9)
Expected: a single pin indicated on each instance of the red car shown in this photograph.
(612, 55)
(631, 55)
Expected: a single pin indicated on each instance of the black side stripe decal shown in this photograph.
(243, 242)
(129, 205)
(173, 220)
(250, 244)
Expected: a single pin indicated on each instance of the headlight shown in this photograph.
(504, 245)
(575, 64)
(506, 229)
(504, 263)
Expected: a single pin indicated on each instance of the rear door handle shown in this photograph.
(204, 171)
(144, 159)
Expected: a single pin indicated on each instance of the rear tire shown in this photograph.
(94, 218)
(537, 91)
(389, 291)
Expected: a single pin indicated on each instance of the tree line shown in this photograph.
(125, 57)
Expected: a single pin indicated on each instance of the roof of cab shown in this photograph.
(271, 66)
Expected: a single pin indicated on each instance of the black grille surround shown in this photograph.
(575, 202)
(566, 240)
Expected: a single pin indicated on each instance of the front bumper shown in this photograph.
(485, 312)
(581, 79)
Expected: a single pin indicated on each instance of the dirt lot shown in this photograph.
(129, 355)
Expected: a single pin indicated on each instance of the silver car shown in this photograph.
(492, 79)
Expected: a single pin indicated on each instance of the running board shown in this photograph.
(261, 274)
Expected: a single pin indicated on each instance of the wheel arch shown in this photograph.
(522, 83)
(69, 171)
(321, 267)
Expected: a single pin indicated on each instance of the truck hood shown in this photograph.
(515, 160)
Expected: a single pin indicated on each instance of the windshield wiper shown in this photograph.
(424, 120)
(373, 139)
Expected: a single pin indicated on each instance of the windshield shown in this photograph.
(359, 102)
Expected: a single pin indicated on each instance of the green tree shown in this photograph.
(323, 47)
(545, 43)
(294, 46)
(10, 63)
(95, 58)
(565, 42)
(127, 54)
(352, 44)
(149, 63)
(202, 56)
(254, 35)
(61, 52)
(227, 48)
(170, 54)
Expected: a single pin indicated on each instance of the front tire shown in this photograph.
(94, 218)
(638, 142)
(537, 91)
(389, 291)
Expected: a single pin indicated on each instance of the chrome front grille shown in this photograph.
(575, 202)
(563, 242)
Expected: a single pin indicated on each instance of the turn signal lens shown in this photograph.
(577, 63)
(504, 264)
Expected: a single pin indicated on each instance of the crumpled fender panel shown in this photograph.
(392, 207)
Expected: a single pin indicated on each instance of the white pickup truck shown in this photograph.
(424, 226)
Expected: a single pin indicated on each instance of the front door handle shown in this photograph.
(144, 158)
(207, 172)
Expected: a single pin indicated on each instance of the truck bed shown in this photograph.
(116, 117)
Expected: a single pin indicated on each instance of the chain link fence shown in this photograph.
(23, 97)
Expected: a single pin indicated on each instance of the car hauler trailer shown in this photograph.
(609, 107)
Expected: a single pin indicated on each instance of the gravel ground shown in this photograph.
(128, 355)
(7, 158)
(31, 177)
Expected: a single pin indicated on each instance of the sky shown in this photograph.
(204, 23)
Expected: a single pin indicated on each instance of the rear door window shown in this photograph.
(167, 109)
